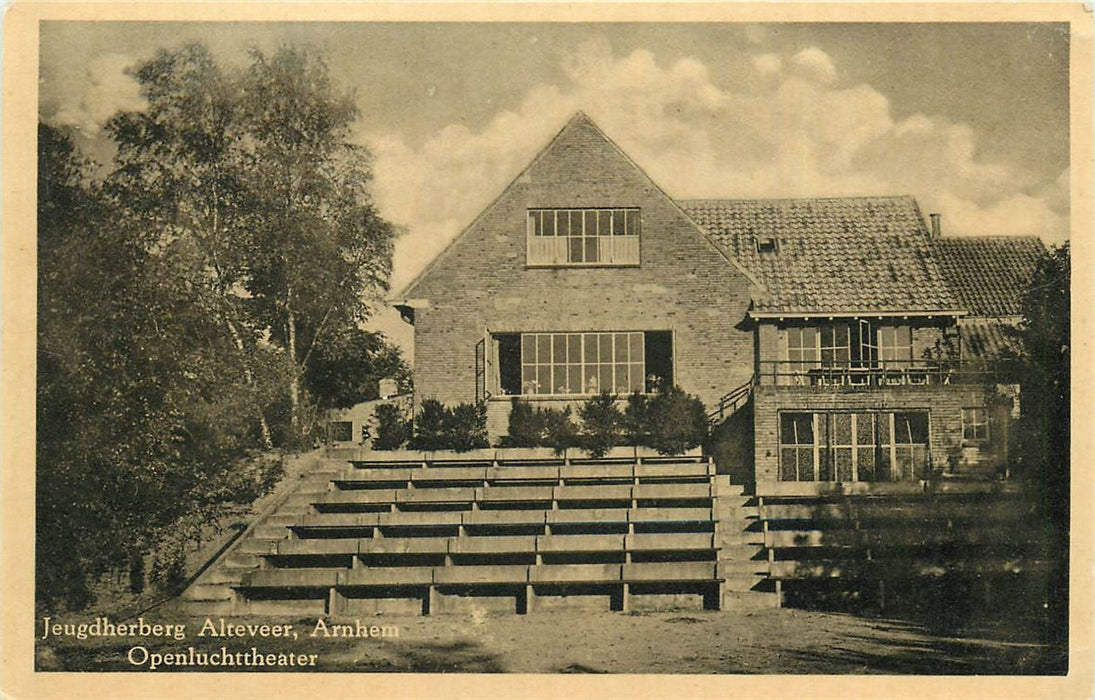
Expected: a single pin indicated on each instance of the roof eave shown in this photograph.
(854, 314)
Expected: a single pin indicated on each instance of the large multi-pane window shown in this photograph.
(582, 363)
(855, 344)
(853, 446)
(583, 236)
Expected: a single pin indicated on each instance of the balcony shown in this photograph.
(882, 374)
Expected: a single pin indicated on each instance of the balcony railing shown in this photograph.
(885, 373)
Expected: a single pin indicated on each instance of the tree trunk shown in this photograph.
(249, 377)
(294, 380)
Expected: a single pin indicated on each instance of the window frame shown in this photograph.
(882, 443)
(983, 424)
(610, 249)
(603, 362)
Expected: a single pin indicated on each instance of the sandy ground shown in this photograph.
(769, 641)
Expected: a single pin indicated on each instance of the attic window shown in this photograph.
(766, 244)
(576, 237)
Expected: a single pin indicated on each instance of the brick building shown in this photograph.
(859, 340)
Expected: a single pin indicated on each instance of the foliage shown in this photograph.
(461, 428)
(183, 299)
(560, 432)
(636, 419)
(392, 427)
(430, 426)
(676, 421)
(526, 427)
(671, 422)
(348, 369)
(246, 182)
(602, 424)
(541, 426)
(1043, 432)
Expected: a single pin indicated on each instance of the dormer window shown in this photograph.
(766, 244)
(583, 237)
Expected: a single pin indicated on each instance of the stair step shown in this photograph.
(259, 545)
(227, 574)
(208, 592)
(749, 600)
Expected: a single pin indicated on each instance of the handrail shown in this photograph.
(883, 372)
(732, 401)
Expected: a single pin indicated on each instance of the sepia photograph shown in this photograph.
(634, 344)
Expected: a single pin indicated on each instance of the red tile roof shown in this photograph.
(839, 255)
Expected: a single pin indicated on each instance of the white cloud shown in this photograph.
(109, 88)
(793, 134)
(767, 63)
(818, 63)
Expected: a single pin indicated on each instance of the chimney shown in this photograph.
(937, 227)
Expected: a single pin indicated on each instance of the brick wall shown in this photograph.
(481, 283)
(943, 403)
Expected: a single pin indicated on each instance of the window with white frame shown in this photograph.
(798, 458)
(582, 363)
(595, 237)
(802, 346)
(895, 344)
(852, 446)
(975, 424)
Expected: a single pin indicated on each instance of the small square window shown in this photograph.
(975, 424)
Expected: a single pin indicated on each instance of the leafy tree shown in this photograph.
(247, 182)
(1044, 430)
(180, 177)
(322, 253)
(348, 368)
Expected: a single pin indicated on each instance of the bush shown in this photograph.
(636, 419)
(601, 424)
(531, 426)
(677, 421)
(526, 426)
(461, 428)
(466, 427)
(392, 427)
(429, 426)
(560, 433)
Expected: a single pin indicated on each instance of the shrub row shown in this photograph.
(436, 427)
(670, 422)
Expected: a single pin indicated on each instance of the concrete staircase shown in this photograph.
(213, 592)
(743, 562)
(501, 530)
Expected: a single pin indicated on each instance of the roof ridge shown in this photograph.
(992, 237)
(890, 197)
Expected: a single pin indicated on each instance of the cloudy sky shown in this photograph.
(971, 119)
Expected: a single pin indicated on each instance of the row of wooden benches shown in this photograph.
(505, 575)
(599, 473)
(592, 493)
(520, 544)
(538, 517)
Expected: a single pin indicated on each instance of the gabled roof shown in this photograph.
(988, 274)
(836, 255)
(579, 120)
